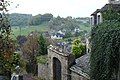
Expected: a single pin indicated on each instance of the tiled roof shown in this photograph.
(114, 6)
(97, 11)
(82, 66)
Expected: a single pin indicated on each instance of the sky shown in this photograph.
(63, 8)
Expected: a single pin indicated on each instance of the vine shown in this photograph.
(105, 50)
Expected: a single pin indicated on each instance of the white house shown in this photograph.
(57, 36)
(77, 29)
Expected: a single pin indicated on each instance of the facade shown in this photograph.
(96, 17)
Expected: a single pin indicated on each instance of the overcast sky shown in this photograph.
(64, 8)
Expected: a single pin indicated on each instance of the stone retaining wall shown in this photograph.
(43, 71)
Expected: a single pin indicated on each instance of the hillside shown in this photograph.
(28, 29)
(23, 24)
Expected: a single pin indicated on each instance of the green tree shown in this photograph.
(42, 46)
(77, 48)
(6, 42)
(16, 59)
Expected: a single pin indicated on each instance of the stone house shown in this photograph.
(80, 71)
(63, 66)
(96, 17)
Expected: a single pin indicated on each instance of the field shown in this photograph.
(83, 27)
(43, 27)
(28, 29)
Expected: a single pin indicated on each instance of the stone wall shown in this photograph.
(43, 71)
(64, 60)
(75, 76)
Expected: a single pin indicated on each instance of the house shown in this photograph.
(57, 36)
(80, 71)
(96, 17)
(76, 30)
(61, 32)
(64, 66)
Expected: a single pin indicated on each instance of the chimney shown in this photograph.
(111, 1)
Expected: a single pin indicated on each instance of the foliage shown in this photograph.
(19, 19)
(48, 41)
(42, 50)
(38, 19)
(107, 14)
(59, 23)
(105, 51)
(29, 48)
(6, 42)
(68, 34)
(77, 48)
(42, 59)
(16, 59)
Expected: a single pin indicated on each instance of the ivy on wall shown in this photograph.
(105, 50)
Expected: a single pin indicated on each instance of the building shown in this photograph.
(76, 30)
(57, 36)
(96, 17)
(80, 71)
(63, 66)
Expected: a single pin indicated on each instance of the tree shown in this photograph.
(6, 42)
(42, 46)
(68, 34)
(77, 48)
(16, 59)
(30, 47)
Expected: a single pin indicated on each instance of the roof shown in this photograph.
(57, 34)
(82, 66)
(114, 6)
(97, 11)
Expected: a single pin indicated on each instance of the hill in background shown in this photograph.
(26, 23)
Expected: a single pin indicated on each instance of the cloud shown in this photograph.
(64, 8)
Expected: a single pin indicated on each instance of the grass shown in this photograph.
(28, 29)
(83, 27)
(42, 27)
